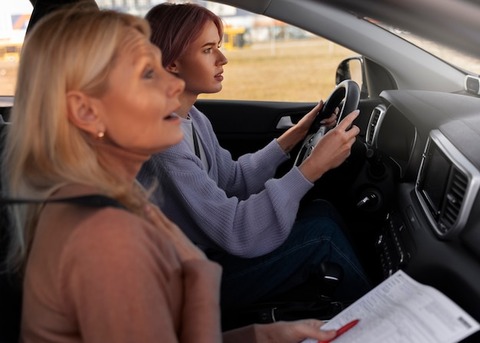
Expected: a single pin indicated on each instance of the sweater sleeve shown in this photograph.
(126, 284)
(249, 173)
(244, 227)
(234, 205)
(242, 177)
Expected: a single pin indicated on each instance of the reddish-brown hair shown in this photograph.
(176, 26)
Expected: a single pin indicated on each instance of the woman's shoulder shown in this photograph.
(115, 238)
(199, 118)
(116, 225)
(196, 113)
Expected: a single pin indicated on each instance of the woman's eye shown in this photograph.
(149, 74)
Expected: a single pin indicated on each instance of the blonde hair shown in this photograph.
(70, 49)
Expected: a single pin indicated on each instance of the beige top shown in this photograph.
(107, 275)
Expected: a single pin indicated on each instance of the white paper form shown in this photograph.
(401, 310)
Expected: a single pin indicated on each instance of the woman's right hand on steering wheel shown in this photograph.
(332, 150)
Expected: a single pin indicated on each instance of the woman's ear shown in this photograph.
(83, 113)
(172, 68)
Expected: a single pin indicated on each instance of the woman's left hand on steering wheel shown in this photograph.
(297, 133)
(331, 121)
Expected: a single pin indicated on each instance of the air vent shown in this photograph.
(375, 119)
(373, 125)
(455, 194)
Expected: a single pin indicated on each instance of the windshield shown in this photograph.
(270, 37)
(457, 58)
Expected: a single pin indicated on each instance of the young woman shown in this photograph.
(236, 211)
(93, 102)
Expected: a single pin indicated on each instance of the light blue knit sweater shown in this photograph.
(236, 206)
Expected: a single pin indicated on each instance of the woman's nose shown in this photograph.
(222, 59)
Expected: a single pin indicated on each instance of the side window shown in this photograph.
(270, 60)
(14, 17)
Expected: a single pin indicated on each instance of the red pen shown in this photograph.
(343, 329)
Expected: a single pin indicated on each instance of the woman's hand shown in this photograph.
(292, 332)
(332, 150)
(296, 133)
(331, 121)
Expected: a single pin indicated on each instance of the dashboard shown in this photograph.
(431, 141)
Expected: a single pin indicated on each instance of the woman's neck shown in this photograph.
(187, 100)
(126, 163)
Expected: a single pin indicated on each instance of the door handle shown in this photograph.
(285, 123)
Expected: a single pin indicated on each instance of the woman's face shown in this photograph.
(201, 66)
(140, 100)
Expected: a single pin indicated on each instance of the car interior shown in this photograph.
(409, 191)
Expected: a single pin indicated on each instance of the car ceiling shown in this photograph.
(435, 19)
(453, 22)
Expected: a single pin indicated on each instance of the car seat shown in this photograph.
(10, 284)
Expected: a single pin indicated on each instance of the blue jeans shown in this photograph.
(315, 237)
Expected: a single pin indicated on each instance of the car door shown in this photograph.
(244, 126)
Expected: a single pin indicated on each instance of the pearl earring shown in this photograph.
(100, 134)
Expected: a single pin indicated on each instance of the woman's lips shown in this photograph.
(219, 77)
(172, 116)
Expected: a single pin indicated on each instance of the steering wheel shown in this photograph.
(345, 96)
